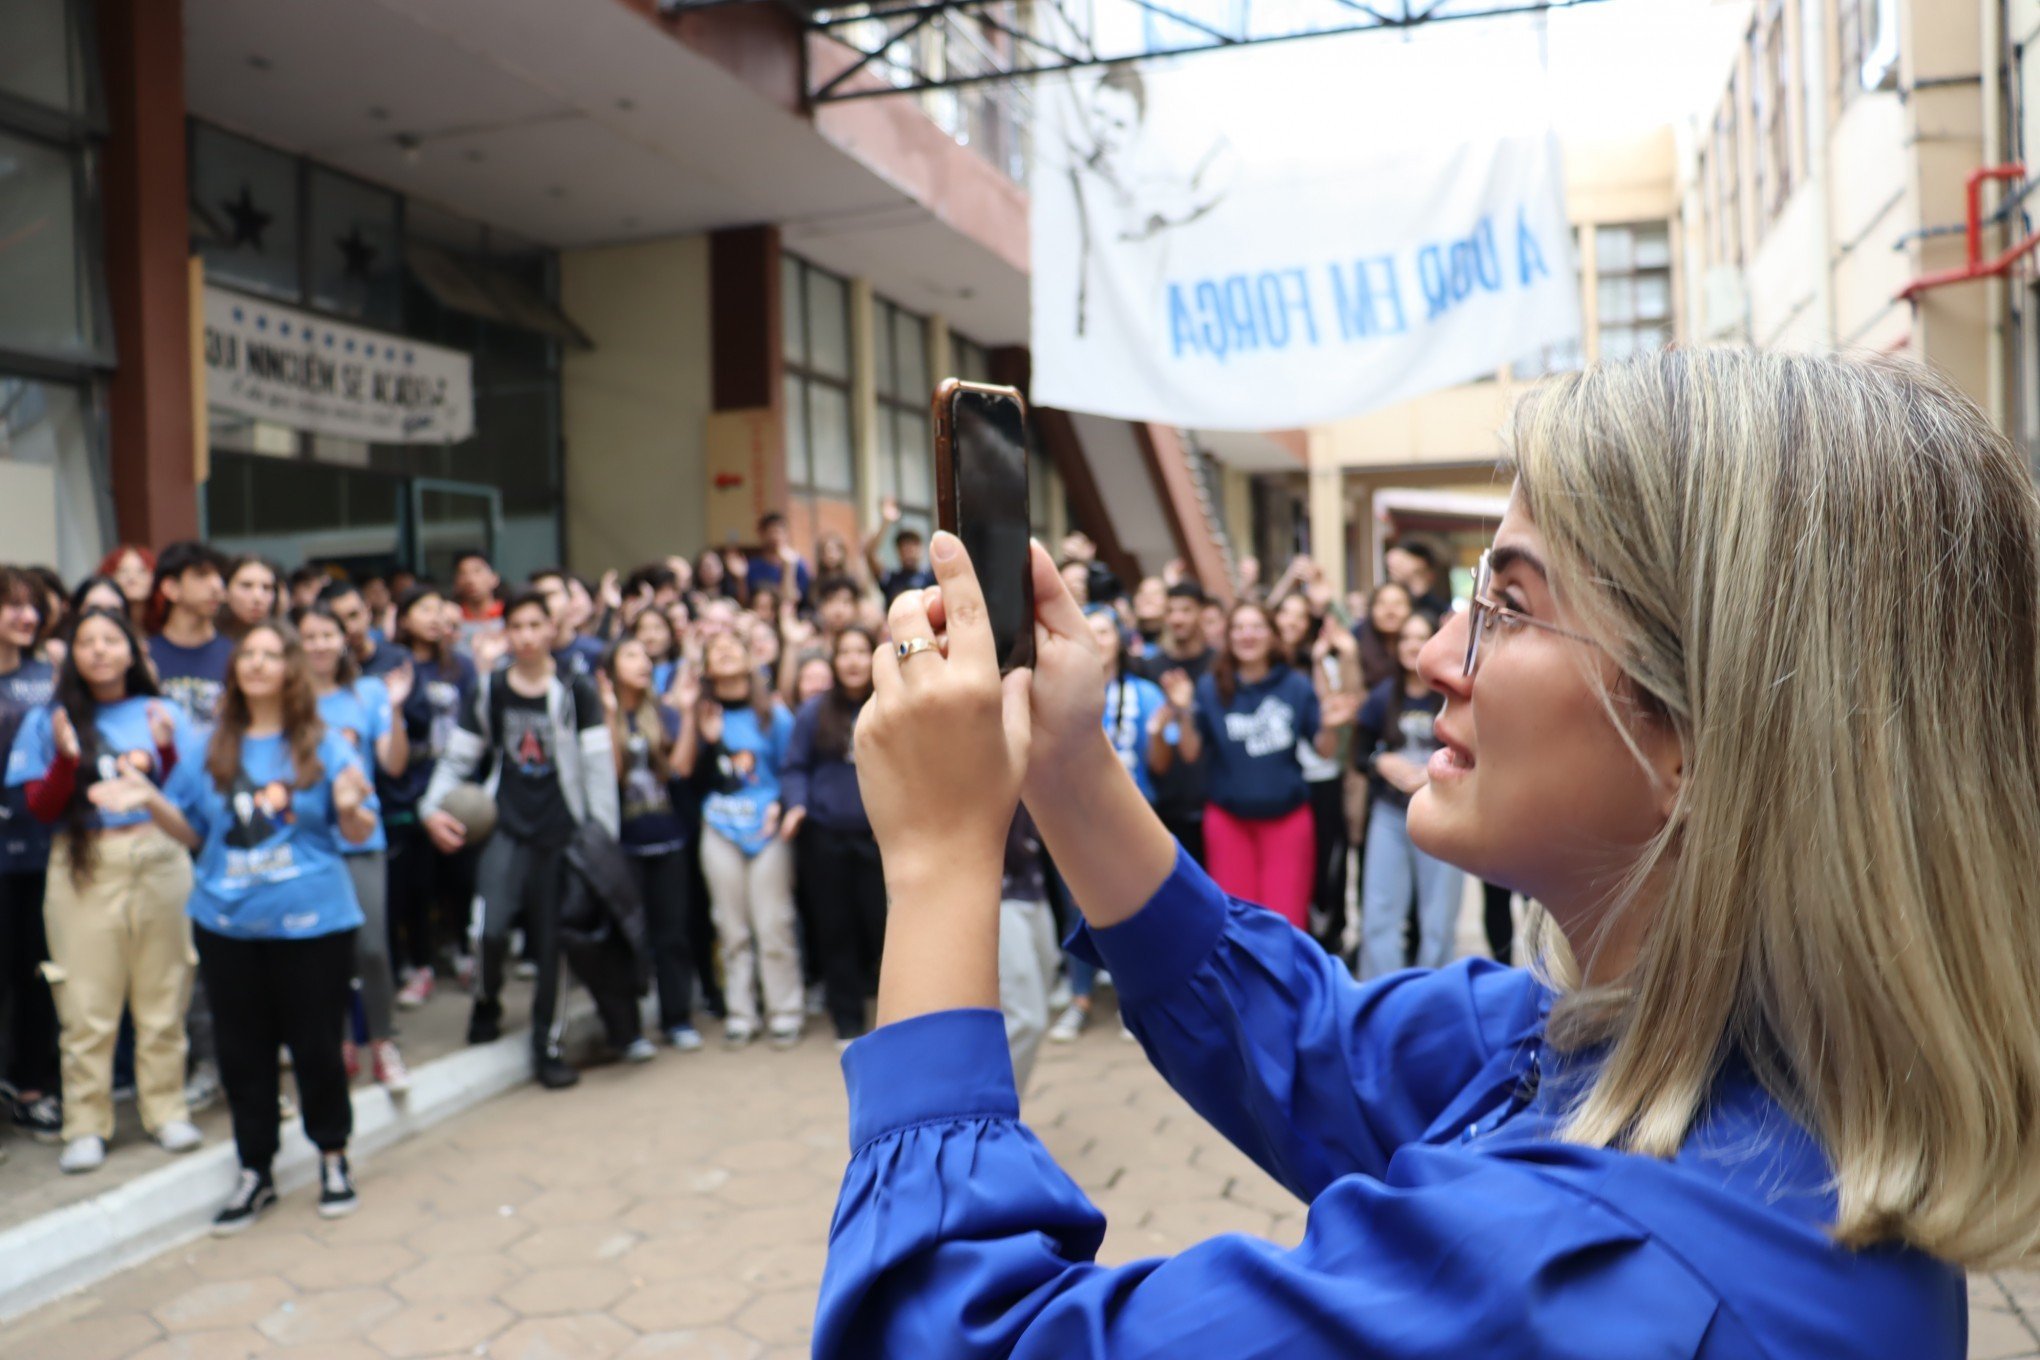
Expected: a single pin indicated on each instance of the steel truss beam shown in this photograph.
(873, 33)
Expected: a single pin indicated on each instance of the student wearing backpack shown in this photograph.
(553, 769)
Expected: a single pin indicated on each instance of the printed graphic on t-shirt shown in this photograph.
(113, 764)
(528, 740)
(644, 793)
(443, 696)
(1266, 730)
(197, 696)
(1419, 739)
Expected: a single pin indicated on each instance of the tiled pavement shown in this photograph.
(678, 1210)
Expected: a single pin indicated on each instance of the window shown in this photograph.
(1633, 291)
(1726, 160)
(815, 308)
(52, 428)
(244, 205)
(1866, 48)
(906, 460)
(1771, 99)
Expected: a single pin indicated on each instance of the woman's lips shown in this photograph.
(1452, 758)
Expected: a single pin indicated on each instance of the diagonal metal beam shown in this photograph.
(866, 58)
(1153, 8)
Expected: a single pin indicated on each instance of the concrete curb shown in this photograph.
(81, 1244)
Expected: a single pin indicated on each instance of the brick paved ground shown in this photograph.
(674, 1210)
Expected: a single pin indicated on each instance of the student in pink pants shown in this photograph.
(1251, 712)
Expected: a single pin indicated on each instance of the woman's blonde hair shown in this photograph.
(1822, 572)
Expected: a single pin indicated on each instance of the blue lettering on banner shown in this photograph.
(1529, 255)
(1218, 317)
(1254, 310)
(1374, 306)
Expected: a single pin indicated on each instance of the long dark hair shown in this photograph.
(74, 696)
(303, 728)
(1225, 668)
(1398, 684)
(406, 601)
(1377, 653)
(641, 717)
(836, 720)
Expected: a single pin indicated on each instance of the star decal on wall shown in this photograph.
(247, 220)
(356, 251)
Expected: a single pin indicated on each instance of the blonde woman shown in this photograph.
(1778, 1084)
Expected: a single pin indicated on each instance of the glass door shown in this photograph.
(449, 518)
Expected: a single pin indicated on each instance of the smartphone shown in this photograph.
(981, 497)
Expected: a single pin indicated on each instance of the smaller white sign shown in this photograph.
(276, 363)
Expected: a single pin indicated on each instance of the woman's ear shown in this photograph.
(1666, 753)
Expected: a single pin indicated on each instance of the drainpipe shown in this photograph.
(1993, 154)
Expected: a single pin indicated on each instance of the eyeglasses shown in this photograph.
(1487, 612)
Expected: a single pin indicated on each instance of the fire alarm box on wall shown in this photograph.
(745, 473)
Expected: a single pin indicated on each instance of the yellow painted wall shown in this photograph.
(635, 406)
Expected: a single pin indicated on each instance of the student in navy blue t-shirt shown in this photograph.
(1251, 711)
(270, 802)
(644, 725)
(187, 649)
(430, 890)
(26, 684)
(115, 902)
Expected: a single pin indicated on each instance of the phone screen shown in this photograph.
(990, 482)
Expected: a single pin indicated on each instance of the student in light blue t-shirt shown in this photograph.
(367, 712)
(114, 903)
(735, 750)
(270, 802)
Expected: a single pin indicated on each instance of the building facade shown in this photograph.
(568, 280)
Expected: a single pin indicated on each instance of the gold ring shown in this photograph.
(914, 646)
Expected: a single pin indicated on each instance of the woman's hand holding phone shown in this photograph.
(942, 730)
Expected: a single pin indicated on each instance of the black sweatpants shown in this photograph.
(430, 896)
(293, 994)
(1328, 817)
(849, 905)
(662, 883)
(28, 1017)
(1187, 826)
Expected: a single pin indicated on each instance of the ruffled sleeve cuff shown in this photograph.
(936, 1068)
(1159, 947)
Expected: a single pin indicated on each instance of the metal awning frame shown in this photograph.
(881, 37)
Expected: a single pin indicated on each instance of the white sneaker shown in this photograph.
(203, 1090)
(82, 1154)
(639, 1050)
(785, 1033)
(1069, 1024)
(737, 1033)
(179, 1135)
(685, 1039)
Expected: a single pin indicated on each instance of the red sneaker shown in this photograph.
(417, 991)
(390, 1072)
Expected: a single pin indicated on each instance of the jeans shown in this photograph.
(1393, 864)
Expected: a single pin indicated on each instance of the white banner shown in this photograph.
(1254, 241)
(276, 363)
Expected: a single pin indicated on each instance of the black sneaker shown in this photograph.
(336, 1188)
(253, 1196)
(42, 1118)
(485, 1026)
(555, 1074)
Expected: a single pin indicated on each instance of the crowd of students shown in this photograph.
(251, 812)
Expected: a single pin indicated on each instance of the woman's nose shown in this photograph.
(1442, 663)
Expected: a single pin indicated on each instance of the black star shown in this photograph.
(358, 253)
(249, 221)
